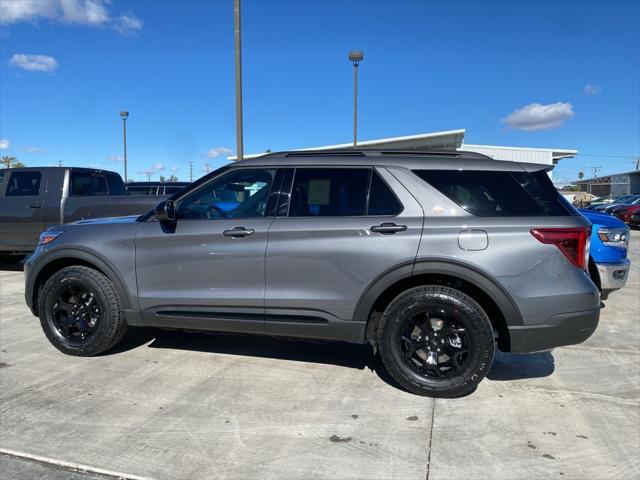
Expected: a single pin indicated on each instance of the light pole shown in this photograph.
(124, 116)
(355, 57)
(238, 58)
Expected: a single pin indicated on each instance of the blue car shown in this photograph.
(608, 262)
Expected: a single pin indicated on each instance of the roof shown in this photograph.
(607, 175)
(448, 139)
(556, 153)
(411, 159)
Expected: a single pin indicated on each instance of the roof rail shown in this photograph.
(375, 153)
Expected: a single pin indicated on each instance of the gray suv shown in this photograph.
(434, 258)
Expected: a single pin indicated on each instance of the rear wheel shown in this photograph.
(80, 311)
(436, 341)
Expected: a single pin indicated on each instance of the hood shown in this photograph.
(107, 220)
(602, 219)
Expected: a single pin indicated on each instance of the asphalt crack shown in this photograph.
(433, 411)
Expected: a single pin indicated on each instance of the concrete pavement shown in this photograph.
(179, 405)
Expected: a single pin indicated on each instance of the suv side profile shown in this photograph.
(434, 258)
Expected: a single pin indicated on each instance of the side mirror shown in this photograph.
(165, 211)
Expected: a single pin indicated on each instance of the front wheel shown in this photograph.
(80, 311)
(436, 341)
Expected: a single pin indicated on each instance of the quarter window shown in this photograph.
(499, 194)
(238, 194)
(22, 184)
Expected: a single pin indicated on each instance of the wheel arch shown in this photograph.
(58, 260)
(491, 296)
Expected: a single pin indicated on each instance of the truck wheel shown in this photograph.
(436, 341)
(80, 312)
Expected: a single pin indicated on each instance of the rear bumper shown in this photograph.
(613, 276)
(557, 331)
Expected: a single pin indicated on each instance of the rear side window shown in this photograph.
(23, 184)
(499, 194)
(87, 184)
(382, 201)
(329, 192)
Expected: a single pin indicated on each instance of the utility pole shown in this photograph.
(191, 170)
(355, 57)
(238, 59)
(595, 171)
(59, 163)
(207, 167)
(124, 116)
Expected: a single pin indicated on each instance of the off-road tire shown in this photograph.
(478, 329)
(111, 326)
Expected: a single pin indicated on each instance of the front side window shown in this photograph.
(499, 194)
(329, 192)
(23, 184)
(238, 194)
(87, 184)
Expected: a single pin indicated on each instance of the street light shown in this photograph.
(237, 37)
(355, 57)
(124, 116)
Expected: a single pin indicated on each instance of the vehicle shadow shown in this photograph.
(510, 366)
(505, 366)
(11, 264)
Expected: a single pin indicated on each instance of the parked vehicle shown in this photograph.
(608, 262)
(33, 199)
(617, 201)
(581, 199)
(154, 188)
(625, 212)
(596, 202)
(634, 220)
(433, 258)
(624, 201)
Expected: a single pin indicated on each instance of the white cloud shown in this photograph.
(33, 149)
(217, 151)
(591, 89)
(95, 13)
(174, 169)
(115, 158)
(33, 63)
(4, 144)
(535, 116)
(154, 168)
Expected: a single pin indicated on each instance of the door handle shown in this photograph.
(35, 205)
(237, 232)
(388, 228)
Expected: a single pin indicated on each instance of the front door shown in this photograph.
(206, 270)
(344, 227)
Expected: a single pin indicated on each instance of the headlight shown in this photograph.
(614, 237)
(49, 236)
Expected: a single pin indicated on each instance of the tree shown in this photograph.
(162, 179)
(9, 161)
(172, 178)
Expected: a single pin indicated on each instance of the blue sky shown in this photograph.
(68, 68)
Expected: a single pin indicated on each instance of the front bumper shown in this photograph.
(559, 330)
(613, 276)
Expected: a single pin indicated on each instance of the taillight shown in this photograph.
(573, 242)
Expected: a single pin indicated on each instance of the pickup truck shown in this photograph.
(33, 199)
(608, 262)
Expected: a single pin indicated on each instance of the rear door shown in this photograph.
(338, 229)
(21, 209)
(207, 270)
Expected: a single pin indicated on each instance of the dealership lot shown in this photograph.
(180, 405)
